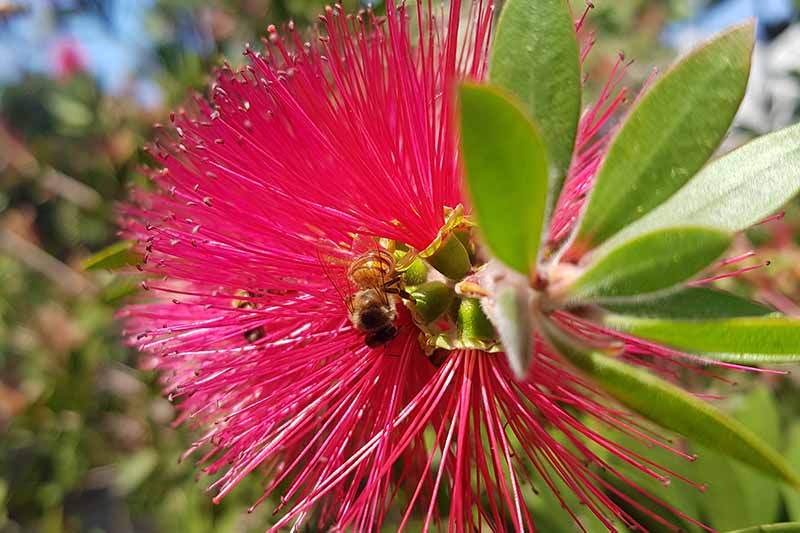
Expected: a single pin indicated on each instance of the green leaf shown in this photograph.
(535, 58)
(748, 340)
(649, 263)
(735, 191)
(723, 487)
(670, 134)
(116, 256)
(134, 470)
(690, 303)
(791, 496)
(120, 287)
(759, 414)
(673, 408)
(784, 527)
(757, 496)
(677, 493)
(506, 171)
(512, 317)
(550, 507)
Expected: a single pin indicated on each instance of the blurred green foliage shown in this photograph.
(85, 437)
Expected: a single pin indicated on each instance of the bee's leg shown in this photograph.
(402, 293)
(393, 281)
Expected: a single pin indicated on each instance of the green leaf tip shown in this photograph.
(535, 57)
(670, 133)
(649, 263)
(506, 173)
(118, 255)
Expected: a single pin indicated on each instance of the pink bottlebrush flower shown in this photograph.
(67, 58)
(248, 236)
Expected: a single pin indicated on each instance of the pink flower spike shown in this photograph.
(296, 214)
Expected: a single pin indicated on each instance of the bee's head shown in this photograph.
(381, 337)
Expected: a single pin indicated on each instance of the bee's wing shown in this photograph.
(363, 243)
(335, 270)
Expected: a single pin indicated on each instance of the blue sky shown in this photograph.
(118, 50)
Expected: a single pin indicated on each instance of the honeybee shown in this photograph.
(372, 305)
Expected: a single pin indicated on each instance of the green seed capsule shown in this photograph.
(432, 299)
(473, 322)
(416, 274)
(451, 259)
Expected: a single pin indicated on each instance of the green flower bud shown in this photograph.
(451, 259)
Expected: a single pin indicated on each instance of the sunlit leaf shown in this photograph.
(735, 191)
(506, 174)
(690, 303)
(673, 408)
(749, 339)
(784, 527)
(535, 58)
(649, 263)
(670, 134)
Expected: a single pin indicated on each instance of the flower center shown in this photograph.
(442, 292)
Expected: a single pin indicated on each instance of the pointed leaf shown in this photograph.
(748, 340)
(673, 408)
(506, 171)
(690, 303)
(535, 58)
(116, 256)
(670, 134)
(649, 263)
(735, 191)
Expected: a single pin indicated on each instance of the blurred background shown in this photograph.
(85, 437)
